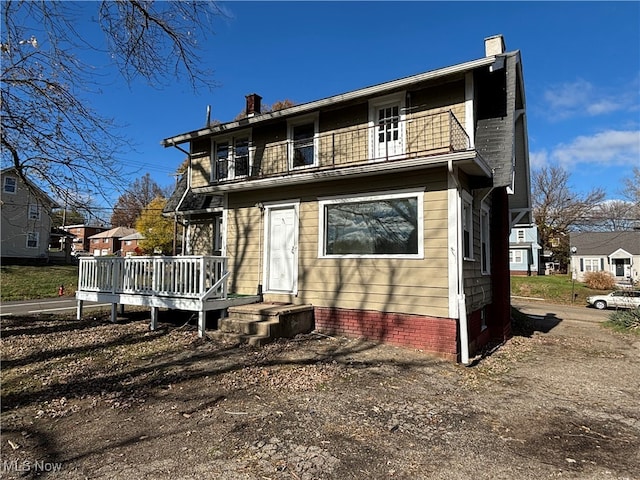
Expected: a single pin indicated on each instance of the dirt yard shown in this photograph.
(93, 400)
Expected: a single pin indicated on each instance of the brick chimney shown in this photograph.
(253, 104)
(494, 45)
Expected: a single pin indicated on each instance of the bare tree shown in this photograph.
(49, 130)
(631, 192)
(610, 216)
(133, 201)
(557, 208)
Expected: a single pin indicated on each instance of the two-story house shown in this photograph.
(388, 208)
(81, 234)
(108, 242)
(524, 250)
(26, 219)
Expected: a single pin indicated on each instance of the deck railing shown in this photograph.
(184, 276)
(416, 135)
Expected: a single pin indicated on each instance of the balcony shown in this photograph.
(418, 136)
(193, 283)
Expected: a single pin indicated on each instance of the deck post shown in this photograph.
(121, 308)
(114, 312)
(202, 321)
(79, 310)
(154, 318)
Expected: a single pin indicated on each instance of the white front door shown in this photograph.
(281, 240)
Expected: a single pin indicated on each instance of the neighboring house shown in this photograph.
(81, 234)
(130, 244)
(524, 250)
(388, 209)
(26, 219)
(108, 242)
(614, 252)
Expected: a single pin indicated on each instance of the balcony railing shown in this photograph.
(419, 135)
(197, 277)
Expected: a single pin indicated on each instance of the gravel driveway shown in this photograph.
(95, 400)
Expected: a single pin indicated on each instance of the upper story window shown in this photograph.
(10, 185)
(34, 212)
(387, 126)
(241, 157)
(303, 134)
(221, 160)
(520, 235)
(387, 225)
(231, 158)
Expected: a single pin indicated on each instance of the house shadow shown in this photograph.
(525, 324)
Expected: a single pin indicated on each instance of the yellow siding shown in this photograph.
(394, 285)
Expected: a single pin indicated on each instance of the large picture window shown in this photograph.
(388, 225)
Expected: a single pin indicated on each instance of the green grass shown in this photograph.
(552, 288)
(25, 282)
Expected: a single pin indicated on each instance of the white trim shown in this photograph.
(36, 236)
(467, 200)
(620, 254)
(15, 184)
(355, 198)
(398, 99)
(453, 208)
(36, 208)
(225, 216)
(304, 120)
(230, 140)
(268, 206)
(469, 110)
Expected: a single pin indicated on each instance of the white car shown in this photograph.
(617, 299)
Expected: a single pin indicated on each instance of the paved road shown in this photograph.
(45, 305)
(572, 314)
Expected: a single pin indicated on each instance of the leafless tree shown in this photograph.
(134, 200)
(609, 216)
(49, 130)
(557, 208)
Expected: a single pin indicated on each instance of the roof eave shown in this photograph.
(345, 97)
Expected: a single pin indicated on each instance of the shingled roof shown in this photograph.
(605, 243)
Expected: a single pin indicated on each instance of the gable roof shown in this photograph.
(360, 94)
(605, 243)
(133, 236)
(117, 232)
(32, 186)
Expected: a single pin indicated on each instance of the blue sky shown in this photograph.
(581, 67)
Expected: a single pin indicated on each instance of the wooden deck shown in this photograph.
(192, 283)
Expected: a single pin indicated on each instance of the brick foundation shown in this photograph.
(435, 335)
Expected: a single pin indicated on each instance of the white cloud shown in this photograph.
(582, 98)
(611, 147)
(538, 159)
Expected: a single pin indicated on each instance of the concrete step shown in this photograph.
(259, 324)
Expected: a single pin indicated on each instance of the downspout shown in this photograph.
(184, 195)
(462, 301)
